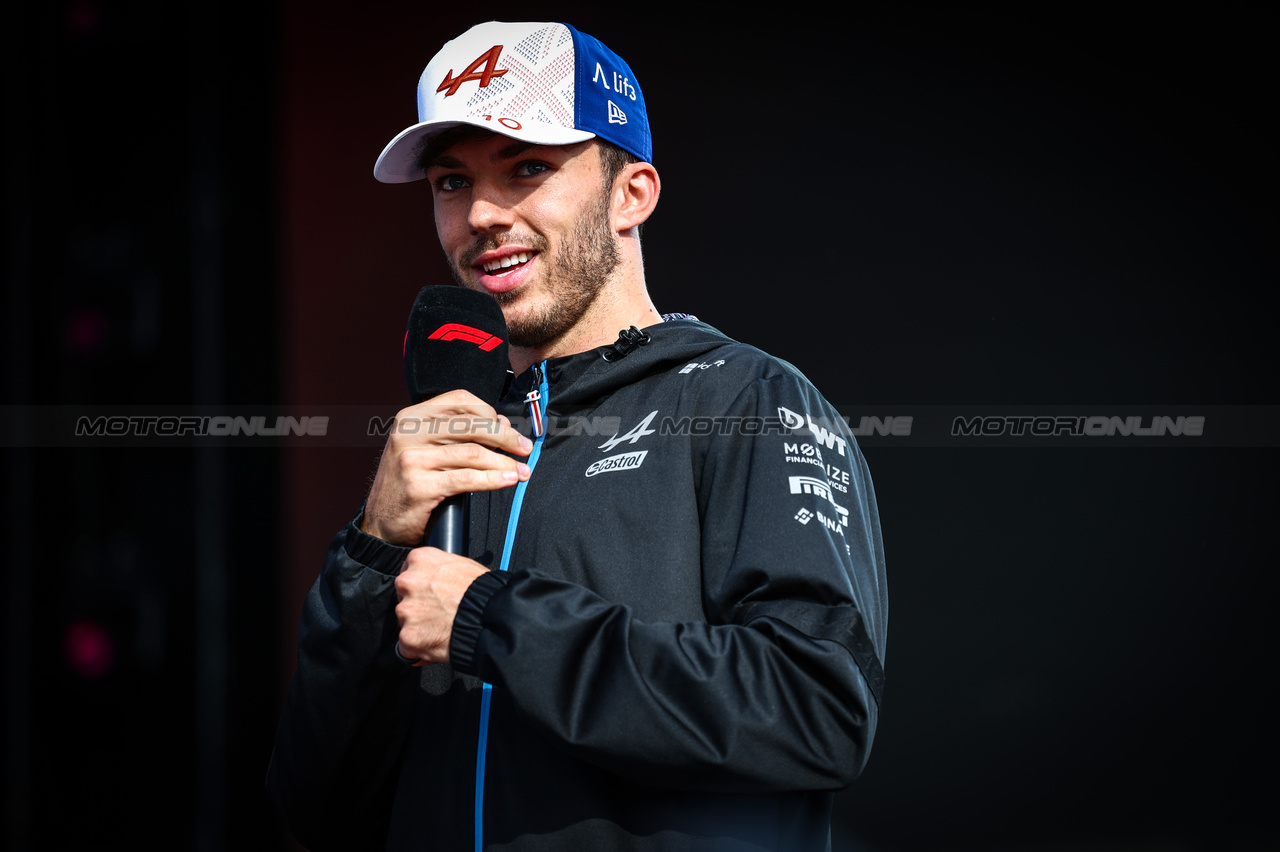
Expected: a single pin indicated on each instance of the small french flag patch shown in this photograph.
(534, 400)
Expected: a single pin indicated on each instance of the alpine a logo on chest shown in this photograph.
(639, 431)
(624, 461)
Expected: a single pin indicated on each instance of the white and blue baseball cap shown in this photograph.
(544, 83)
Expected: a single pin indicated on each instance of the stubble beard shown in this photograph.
(575, 279)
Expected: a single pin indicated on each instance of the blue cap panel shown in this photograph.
(608, 100)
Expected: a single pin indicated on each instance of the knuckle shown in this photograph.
(470, 453)
(459, 480)
(415, 489)
(417, 485)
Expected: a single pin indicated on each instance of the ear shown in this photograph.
(635, 194)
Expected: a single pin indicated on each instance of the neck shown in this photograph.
(623, 302)
(591, 332)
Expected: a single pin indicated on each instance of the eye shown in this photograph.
(450, 183)
(531, 168)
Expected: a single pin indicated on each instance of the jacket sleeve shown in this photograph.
(778, 688)
(346, 715)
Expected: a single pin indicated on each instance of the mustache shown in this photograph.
(494, 242)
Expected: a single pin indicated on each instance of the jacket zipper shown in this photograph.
(537, 401)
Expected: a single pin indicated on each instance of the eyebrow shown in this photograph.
(444, 161)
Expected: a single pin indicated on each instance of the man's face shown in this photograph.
(528, 224)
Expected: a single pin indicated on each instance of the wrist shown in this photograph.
(373, 551)
(468, 622)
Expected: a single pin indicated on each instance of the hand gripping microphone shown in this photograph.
(456, 339)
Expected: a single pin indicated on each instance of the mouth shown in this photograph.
(508, 264)
(504, 270)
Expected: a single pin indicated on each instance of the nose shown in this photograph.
(490, 210)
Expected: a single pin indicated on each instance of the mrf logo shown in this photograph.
(484, 69)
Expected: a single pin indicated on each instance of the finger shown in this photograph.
(412, 481)
(404, 659)
(456, 403)
(414, 461)
(432, 486)
(458, 416)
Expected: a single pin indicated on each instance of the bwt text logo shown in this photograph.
(821, 435)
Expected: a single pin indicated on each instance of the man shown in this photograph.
(668, 632)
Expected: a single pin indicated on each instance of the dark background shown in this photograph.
(920, 206)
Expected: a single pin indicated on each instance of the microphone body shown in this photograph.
(449, 524)
(456, 339)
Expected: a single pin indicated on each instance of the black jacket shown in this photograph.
(684, 640)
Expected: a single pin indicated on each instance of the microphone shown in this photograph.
(456, 339)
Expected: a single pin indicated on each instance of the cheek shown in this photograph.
(451, 229)
(553, 216)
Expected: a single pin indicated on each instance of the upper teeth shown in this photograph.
(509, 260)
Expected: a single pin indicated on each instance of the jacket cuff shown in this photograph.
(467, 624)
(371, 551)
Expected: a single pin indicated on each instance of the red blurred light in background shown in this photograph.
(86, 331)
(89, 650)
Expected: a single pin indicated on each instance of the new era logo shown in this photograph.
(616, 115)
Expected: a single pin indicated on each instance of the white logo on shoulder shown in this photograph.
(790, 419)
(824, 436)
(639, 431)
(622, 461)
(818, 488)
(696, 366)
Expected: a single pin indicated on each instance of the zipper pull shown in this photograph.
(533, 400)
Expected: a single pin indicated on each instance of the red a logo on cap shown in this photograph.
(489, 59)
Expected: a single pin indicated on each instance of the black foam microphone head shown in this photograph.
(456, 338)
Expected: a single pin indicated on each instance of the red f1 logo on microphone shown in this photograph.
(458, 331)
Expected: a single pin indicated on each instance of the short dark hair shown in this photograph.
(613, 160)
(436, 144)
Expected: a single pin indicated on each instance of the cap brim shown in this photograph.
(398, 162)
